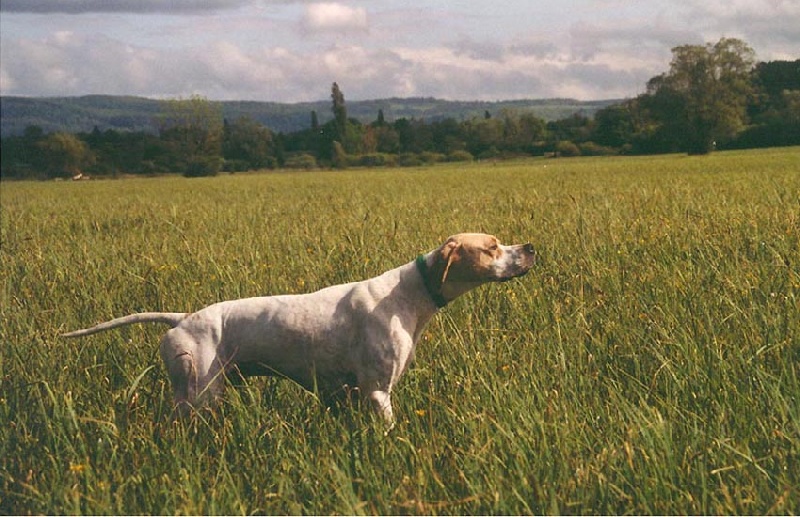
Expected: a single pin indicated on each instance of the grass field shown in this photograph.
(649, 363)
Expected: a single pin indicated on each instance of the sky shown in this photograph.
(293, 50)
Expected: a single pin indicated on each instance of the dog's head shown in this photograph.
(471, 259)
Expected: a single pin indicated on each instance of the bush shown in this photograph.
(408, 160)
(593, 149)
(236, 166)
(489, 153)
(773, 135)
(566, 148)
(460, 156)
(429, 157)
(375, 160)
(201, 166)
(301, 161)
(339, 159)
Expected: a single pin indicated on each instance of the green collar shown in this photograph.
(436, 296)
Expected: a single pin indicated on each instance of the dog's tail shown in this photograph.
(170, 318)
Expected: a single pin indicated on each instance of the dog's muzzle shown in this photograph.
(522, 257)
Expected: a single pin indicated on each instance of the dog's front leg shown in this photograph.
(382, 404)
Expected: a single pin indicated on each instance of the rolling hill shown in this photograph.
(122, 113)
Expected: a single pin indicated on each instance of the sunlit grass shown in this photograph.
(648, 364)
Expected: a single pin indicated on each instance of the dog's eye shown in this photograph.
(493, 247)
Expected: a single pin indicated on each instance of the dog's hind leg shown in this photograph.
(197, 376)
(183, 377)
(179, 361)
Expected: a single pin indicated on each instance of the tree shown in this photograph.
(22, 155)
(484, 137)
(447, 136)
(347, 131)
(387, 139)
(778, 86)
(774, 109)
(64, 155)
(775, 77)
(414, 136)
(194, 127)
(522, 133)
(707, 87)
(339, 111)
(381, 121)
(613, 125)
(247, 144)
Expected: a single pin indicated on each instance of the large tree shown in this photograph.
(778, 85)
(705, 92)
(248, 144)
(339, 111)
(346, 131)
(194, 128)
(65, 155)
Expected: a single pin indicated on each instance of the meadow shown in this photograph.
(648, 364)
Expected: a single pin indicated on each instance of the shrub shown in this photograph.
(375, 160)
(429, 157)
(489, 153)
(593, 149)
(201, 166)
(236, 165)
(460, 156)
(567, 148)
(301, 161)
(408, 160)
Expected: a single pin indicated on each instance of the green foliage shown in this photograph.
(249, 144)
(712, 97)
(459, 156)
(135, 114)
(711, 84)
(373, 160)
(301, 161)
(339, 156)
(775, 108)
(593, 149)
(63, 155)
(409, 160)
(614, 126)
(339, 109)
(647, 365)
(567, 149)
(193, 129)
(201, 166)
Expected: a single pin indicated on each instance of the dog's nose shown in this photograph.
(529, 248)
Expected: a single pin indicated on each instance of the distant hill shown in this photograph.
(82, 114)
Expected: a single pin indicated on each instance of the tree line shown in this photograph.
(714, 96)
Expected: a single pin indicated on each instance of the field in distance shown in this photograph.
(648, 364)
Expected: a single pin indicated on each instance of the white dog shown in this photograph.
(360, 334)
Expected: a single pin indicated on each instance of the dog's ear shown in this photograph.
(450, 254)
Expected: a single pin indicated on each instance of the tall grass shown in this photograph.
(649, 363)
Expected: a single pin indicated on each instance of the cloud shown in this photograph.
(118, 6)
(542, 49)
(334, 17)
(292, 50)
(67, 63)
(70, 64)
(625, 39)
(771, 27)
(450, 73)
(483, 50)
